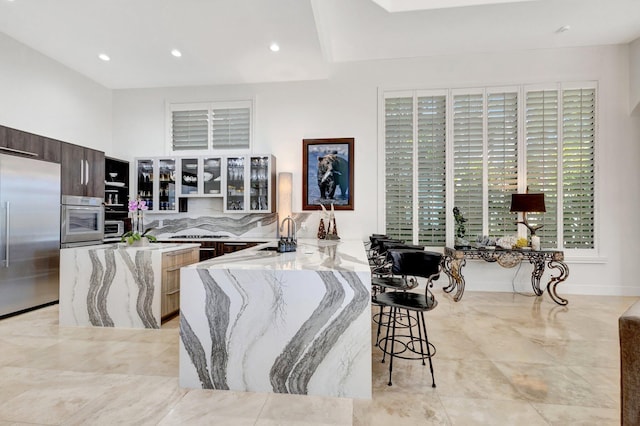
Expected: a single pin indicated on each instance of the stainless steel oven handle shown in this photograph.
(5, 263)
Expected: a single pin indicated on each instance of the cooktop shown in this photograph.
(196, 237)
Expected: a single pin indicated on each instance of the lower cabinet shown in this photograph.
(171, 264)
(230, 247)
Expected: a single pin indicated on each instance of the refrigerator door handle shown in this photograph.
(5, 262)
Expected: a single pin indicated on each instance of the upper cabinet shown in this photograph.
(249, 184)
(17, 142)
(244, 183)
(156, 183)
(82, 171)
(116, 188)
(201, 176)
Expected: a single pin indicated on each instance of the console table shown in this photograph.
(454, 259)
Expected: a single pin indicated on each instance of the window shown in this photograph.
(415, 172)
(210, 126)
(495, 142)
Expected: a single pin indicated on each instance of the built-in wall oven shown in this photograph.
(81, 221)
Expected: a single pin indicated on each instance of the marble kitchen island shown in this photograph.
(115, 285)
(262, 321)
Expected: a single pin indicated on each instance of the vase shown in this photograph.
(142, 242)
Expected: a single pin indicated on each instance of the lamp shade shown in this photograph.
(527, 203)
(285, 182)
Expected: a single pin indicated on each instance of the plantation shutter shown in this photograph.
(189, 129)
(399, 167)
(502, 160)
(231, 127)
(468, 160)
(431, 178)
(542, 160)
(578, 173)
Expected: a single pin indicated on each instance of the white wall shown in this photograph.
(345, 105)
(41, 96)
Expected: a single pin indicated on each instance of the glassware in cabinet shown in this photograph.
(156, 183)
(167, 184)
(212, 175)
(189, 181)
(145, 182)
(235, 191)
(259, 182)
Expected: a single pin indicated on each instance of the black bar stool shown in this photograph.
(414, 263)
(386, 277)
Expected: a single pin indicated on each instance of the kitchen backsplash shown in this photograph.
(252, 225)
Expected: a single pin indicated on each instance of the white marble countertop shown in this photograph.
(161, 247)
(311, 255)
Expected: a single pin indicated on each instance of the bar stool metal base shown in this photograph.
(408, 343)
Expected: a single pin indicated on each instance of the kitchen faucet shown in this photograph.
(290, 243)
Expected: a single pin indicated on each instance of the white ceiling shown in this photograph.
(227, 41)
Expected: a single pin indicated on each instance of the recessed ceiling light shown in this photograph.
(176, 53)
(104, 57)
(274, 47)
(563, 29)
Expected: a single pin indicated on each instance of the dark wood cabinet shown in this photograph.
(25, 144)
(211, 249)
(230, 247)
(82, 171)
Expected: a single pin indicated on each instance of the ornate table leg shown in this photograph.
(554, 281)
(452, 266)
(446, 268)
(536, 274)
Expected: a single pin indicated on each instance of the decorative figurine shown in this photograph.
(322, 232)
(460, 242)
(332, 230)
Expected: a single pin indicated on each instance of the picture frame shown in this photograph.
(327, 173)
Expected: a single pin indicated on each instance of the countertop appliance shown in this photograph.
(113, 228)
(29, 233)
(81, 221)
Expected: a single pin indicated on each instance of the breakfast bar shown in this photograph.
(122, 286)
(262, 321)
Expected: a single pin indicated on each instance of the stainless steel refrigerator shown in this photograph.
(29, 233)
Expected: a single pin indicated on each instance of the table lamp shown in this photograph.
(529, 203)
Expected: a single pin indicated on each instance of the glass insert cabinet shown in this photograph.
(156, 183)
(201, 176)
(249, 184)
(244, 183)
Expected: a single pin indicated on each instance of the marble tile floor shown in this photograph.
(502, 359)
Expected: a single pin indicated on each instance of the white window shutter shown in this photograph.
(502, 160)
(230, 128)
(399, 167)
(542, 160)
(468, 160)
(431, 176)
(578, 171)
(189, 129)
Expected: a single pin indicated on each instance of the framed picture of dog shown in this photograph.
(327, 173)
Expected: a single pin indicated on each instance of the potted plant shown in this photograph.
(137, 237)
